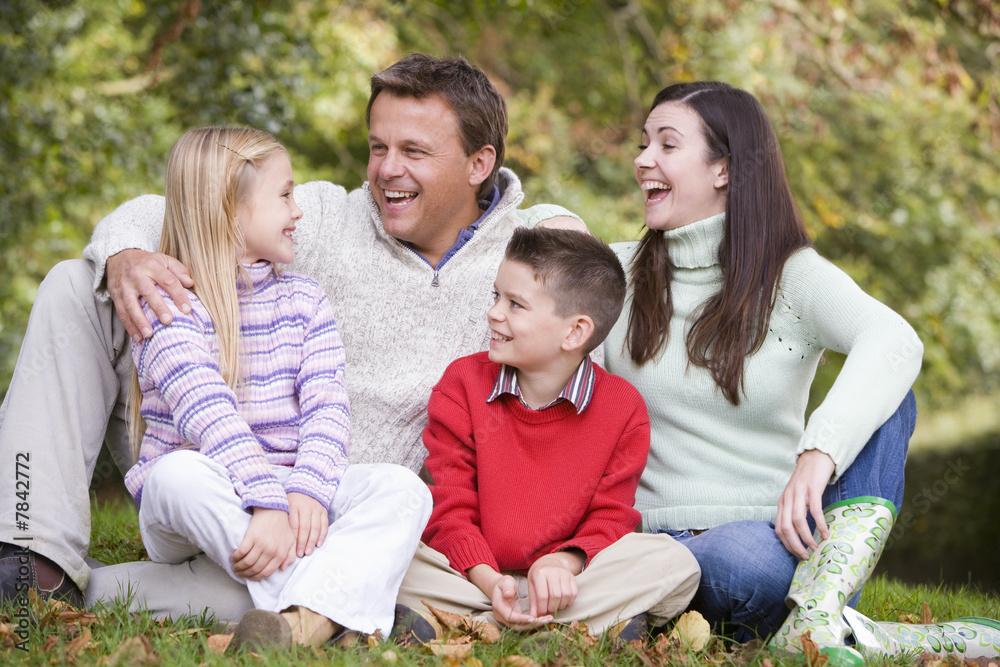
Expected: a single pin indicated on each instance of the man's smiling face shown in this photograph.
(422, 180)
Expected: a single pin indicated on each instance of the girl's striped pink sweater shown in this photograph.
(292, 409)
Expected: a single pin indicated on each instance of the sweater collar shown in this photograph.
(696, 246)
(507, 194)
(261, 274)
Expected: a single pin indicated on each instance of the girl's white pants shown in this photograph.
(376, 518)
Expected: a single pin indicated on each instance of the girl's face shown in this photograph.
(680, 187)
(267, 218)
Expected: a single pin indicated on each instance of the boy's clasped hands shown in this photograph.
(275, 537)
(551, 586)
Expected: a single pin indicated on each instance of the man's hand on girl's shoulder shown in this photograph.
(135, 273)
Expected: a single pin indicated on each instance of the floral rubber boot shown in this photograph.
(970, 637)
(830, 576)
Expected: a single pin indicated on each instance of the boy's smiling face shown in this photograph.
(525, 331)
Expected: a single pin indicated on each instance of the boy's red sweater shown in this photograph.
(513, 484)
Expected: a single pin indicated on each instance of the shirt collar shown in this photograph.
(579, 390)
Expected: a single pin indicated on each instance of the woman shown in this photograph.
(730, 310)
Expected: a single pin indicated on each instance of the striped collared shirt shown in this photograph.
(579, 390)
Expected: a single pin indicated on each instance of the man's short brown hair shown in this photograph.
(581, 273)
(481, 110)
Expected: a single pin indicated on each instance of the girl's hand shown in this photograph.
(309, 521)
(269, 545)
(803, 495)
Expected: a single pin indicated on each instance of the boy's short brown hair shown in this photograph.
(581, 273)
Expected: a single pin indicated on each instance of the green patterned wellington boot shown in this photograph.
(830, 576)
(965, 637)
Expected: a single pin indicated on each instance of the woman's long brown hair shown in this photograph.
(763, 228)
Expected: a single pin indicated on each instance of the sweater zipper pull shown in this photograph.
(434, 282)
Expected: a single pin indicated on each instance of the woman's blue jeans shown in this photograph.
(746, 570)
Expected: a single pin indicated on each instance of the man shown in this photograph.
(407, 260)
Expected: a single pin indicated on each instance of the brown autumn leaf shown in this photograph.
(693, 630)
(487, 633)
(75, 617)
(518, 661)
(449, 620)
(219, 643)
(665, 650)
(50, 643)
(462, 662)
(133, 651)
(450, 649)
(45, 611)
(82, 642)
(810, 651)
(927, 619)
(7, 637)
(767, 663)
(931, 660)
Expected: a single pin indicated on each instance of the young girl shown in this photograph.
(730, 310)
(246, 422)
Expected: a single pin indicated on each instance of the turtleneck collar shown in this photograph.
(261, 274)
(696, 246)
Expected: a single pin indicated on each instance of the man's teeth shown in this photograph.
(495, 336)
(397, 194)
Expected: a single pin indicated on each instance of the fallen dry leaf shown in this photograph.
(50, 643)
(693, 630)
(450, 649)
(449, 620)
(75, 617)
(461, 662)
(219, 643)
(927, 619)
(133, 651)
(811, 652)
(80, 643)
(767, 663)
(487, 632)
(518, 661)
(7, 637)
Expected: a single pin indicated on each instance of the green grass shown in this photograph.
(56, 640)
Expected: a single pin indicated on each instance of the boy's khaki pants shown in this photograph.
(638, 573)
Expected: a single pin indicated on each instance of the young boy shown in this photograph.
(535, 454)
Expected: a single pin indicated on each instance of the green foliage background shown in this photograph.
(887, 110)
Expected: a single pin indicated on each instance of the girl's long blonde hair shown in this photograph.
(211, 171)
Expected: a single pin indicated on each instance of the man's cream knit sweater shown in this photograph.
(400, 331)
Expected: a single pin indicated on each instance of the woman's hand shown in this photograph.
(309, 520)
(803, 495)
(268, 545)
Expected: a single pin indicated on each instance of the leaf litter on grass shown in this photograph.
(71, 633)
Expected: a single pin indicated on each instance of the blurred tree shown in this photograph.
(888, 114)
